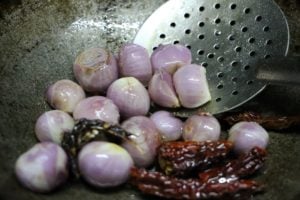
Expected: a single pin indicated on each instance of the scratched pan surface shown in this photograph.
(38, 43)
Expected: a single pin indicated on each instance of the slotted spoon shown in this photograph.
(228, 37)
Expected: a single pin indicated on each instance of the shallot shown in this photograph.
(134, 61)
(191, 86)
(42, 168)
(52, 125)
(144, 140)
(247, 135)
(95, 69)
(104, 164)
(168, 125)
(130, 96)
(162, 91)
(97, 107)
(201, 127)
(64, 95)
(170, 57)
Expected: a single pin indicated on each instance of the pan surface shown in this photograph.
(38, 44)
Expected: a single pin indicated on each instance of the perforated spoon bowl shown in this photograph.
(226, 37)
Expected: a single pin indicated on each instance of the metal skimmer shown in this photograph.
(227, 37)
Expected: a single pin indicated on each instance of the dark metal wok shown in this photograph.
(38, 44)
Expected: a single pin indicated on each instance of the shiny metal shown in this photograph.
(279, 71)
(227, 37)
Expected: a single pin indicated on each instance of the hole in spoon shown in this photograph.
(218, 99)
(217, 21)
(233, 6)
(200, 52)
(244, 29)
(186, 15)
(258, 18)
(210, 55)
(238, 49)
(269, 42)
(249, 82)
(266, 29)
(201, 24)
(232, 22)
(204, 64)
(220, 59)
(217, 6)
(247, 10)
(216, 46)
(173, 24)
(235, 93)
(201, 36)
(220, 86)
(188, 31)
(246, 67)
(220, 74)
(234, 79)
(162, 36)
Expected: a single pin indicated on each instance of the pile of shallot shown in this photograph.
(119, 90)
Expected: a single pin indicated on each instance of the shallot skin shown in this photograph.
(51, 126)
(201, 128)
(170, 57)
(42, 168)
(95, 69)
(130, 96)
(97, 107)
(134, 61)
(247, 135)
(191, 86)
(168, 125)
(64, 95)
(144, 141)
(162, 91)
(104, 164)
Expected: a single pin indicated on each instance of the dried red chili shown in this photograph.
(267, 121)
(246, 165)
(183, 158)
(158, 184)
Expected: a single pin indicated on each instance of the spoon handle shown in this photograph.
(280, 71)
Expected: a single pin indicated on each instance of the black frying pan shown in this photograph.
(38, 44)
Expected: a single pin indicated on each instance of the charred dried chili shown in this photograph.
(158, 184)
(86, 131)
(184, 158)
(244, 166)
